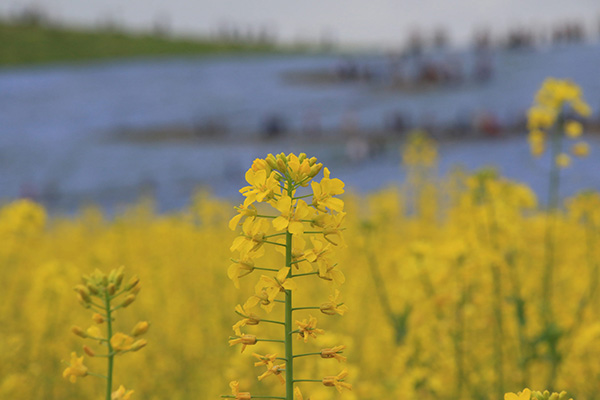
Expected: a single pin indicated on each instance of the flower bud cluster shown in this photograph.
(104, 294)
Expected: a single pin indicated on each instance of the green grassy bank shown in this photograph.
(22, 44)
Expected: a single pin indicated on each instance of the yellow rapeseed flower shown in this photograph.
(291, 217)
(252, 237)
(581, 149)
(324, 191)
(334, 352)
(275, 370)
(121, 394)
(262, 186)
(244, 340)
(573, 129)
(524, 395)
(308, 328)
(75, 368)
(337, 381)
(334, 306)
(235, 385)
(121, 342)
(273, 286)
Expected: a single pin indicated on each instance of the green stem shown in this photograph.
(275, 243)
(289, 352)
(305, 308)
(270, 340)
(307, 354)
(307, 274)
(266, 269)
(97, 375)
(272, 322)
(111, 356)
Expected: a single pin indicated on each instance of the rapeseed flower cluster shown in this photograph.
(98, 293)
(556, 104)
(306, 229)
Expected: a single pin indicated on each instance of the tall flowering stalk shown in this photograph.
(555, 103)
(307, 234)
(104, 295)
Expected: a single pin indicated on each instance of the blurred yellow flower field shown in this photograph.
(444, 293)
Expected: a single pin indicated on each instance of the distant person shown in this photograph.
(273, 127)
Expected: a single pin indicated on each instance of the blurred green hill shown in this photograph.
(32, 42)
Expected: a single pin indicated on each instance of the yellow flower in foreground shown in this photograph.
(262, 187)
(235, 390)
(524, 395)
(581, 149)
(243, 266)
(121, 394)
(249, 319)
(563, 160)
(334, 352)
(264, 360)
(252, 237)
(121, 342)
(75, 368)
(308, 328)
(280, 283)
(290, 218)
(337, 381)
(243, 211)
(275, 370)
(324, 191)
(573, 129)
(244, 340)
(334, 306)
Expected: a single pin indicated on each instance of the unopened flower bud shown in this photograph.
(140, 328)
(312, 161)
(89, 351)
(79, 331)
(271, 161)
(243, 396)
(281, 165)
(315, 169)
(83, 292)
(301, 157)
(329, 380)
(128, 300)
(248, 339)
(139, 344)
(92, 288)
(132, 282)
(119, 278)
(111, 289)
(328, 308)
(112, 276)
(136, 288)
(97, 318)
(81, 301)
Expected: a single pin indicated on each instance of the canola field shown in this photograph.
(454, 287)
